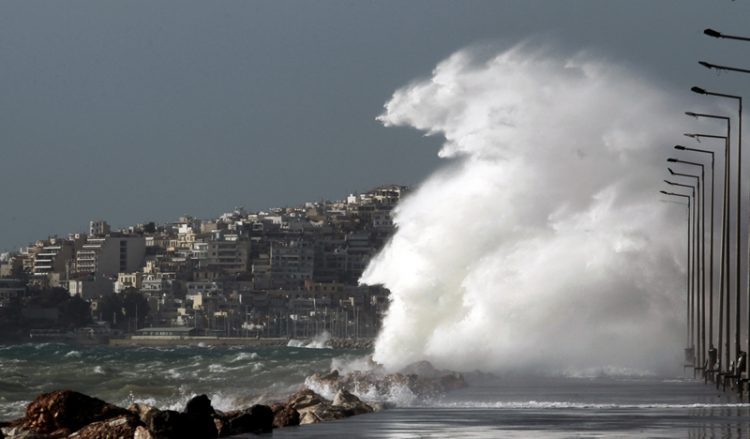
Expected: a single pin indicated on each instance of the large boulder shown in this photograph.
(350, 403)
(256, 419)
(199, 406)
(199, 418)
(65, 411)
(284, 416)
(313, 408)
(144, 411)
(116, 428)
(303, 399)
(168, 424)
(323, 412)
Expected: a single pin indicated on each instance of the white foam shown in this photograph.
(242, 356)
(320, 341)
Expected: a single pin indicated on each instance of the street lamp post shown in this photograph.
(694, 310)
(688, 285)
(700, 292)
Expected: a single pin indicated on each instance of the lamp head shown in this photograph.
(672, 160)
(706, 65)
(668, 182)
(698, 90)
(670, 171)
(712, 33)
(690, 113)
(679, 147)
(664, 192)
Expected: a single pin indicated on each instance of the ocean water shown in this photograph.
(611, 404)
(167, 377)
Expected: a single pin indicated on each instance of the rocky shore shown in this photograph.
(73, 415)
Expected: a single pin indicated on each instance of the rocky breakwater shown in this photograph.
(73, 415)
(328, 397)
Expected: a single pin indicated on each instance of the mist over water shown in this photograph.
(541, 245)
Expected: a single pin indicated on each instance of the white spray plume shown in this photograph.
(543, 245)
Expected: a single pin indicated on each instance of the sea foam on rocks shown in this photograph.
(372, 383)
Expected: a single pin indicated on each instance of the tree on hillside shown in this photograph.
(135, 307)
(75, 312)
(127, 310)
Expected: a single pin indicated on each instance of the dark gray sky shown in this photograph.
(147, 110)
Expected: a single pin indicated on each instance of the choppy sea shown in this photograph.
(167, 377)
(589, 406)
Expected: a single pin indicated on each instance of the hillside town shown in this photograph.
(286, 272)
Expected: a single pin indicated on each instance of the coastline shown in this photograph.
(334, 343)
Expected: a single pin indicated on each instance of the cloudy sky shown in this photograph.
(137, 111)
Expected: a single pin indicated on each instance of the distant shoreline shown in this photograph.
(335, 343)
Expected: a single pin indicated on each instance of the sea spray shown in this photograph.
(319, 341)
(542, 244)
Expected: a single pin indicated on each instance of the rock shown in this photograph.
(350, 403)
(144, 411)
(199, 406)
(452, 381)
(22, 433)
(284, 416)
(67, 411)
(309, 418)
(221, 421)
(303, 399)
(167, 424)
(142, 432)
(199, 418)
(343, 397)
(322, 413)
(120, 427)
(256, 419)
(313, 408)
(263, 418)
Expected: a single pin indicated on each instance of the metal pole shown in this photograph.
(724, 259)
(689, 271)
(711, 265)
(694, 278)
(702, 185)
